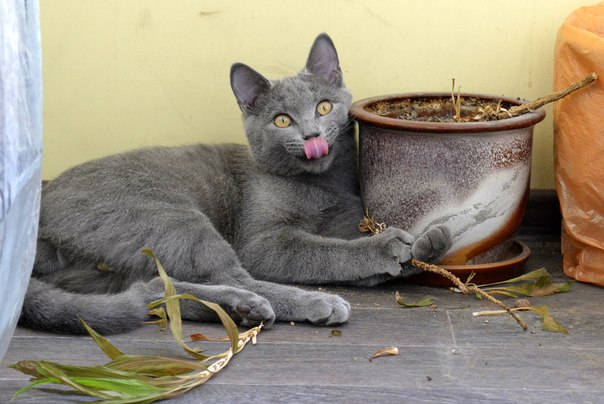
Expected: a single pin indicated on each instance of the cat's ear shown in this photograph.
(247, 85)
(323, 60)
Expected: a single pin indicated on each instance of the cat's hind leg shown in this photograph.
(61, 293)
(50, 308)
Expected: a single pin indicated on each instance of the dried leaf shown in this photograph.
(163, 318)
(539, 288)
(103, 267)
(370, 225)
(107, 347)
(549, 324)
(202, 337)
(553, 288)
(522, 303)
(172, 307)
(142, 379)
(423, 302)
(227, 322)
(392, 350)
(173, 311)
(335, 333)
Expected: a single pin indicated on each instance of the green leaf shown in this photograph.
(43, 369)
(423, 302)
(123, 387)
(155, 365)
(538, 283)
(53, 370)
(535, 275)
(35, 383)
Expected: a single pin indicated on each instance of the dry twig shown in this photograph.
(456, 102)
(370, 225)
(467, 289)
(490, 113)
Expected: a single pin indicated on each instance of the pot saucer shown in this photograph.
(490, 272)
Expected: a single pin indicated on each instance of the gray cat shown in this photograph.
(226, 221)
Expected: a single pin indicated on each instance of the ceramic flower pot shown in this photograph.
(470, 176)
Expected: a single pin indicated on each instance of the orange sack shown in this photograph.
(579, 144)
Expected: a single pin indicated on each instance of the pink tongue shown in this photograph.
(315, 147)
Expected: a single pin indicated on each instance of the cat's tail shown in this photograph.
(48, 308)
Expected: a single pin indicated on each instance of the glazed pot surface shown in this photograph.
(473, 180)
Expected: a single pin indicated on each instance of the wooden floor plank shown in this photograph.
(446, 354)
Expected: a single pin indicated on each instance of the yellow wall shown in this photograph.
(120, 74)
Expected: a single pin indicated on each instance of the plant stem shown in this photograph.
(370, 225)
(456, 103)
(546, 99)
(497, 312)
(467, 289)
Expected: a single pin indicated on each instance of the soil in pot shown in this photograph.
(439, 109)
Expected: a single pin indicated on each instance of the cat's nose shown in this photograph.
(311, 135)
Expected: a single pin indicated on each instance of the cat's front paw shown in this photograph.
(327, 309)
(395, 245)
(432, 244)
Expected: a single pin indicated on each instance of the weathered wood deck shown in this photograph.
(446, 355)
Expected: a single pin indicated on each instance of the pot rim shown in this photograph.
(361, 115)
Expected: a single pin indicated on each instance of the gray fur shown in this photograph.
(226, 221)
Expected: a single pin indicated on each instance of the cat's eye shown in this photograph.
(324, 107)
(282, 121)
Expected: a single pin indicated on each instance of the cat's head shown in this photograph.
(293, 124)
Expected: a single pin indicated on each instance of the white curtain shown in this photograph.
(20, 154)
